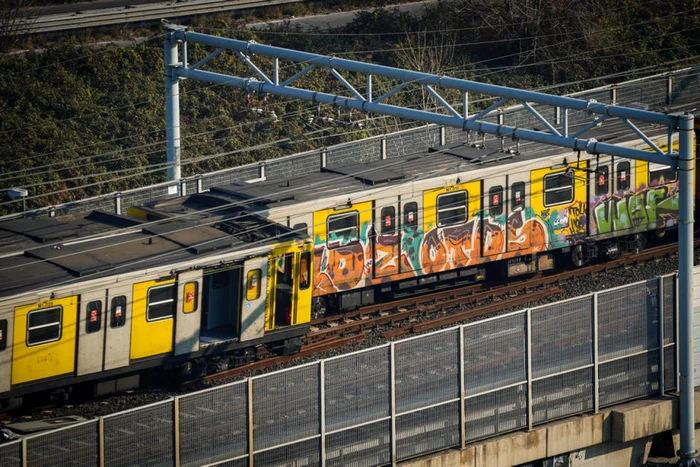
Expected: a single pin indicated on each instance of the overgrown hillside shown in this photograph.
(76, 120)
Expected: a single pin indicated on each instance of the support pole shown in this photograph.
(172, 105)
(686, 165)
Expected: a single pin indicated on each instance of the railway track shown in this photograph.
(423, 313)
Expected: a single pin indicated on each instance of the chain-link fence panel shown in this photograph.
(685, 86)
(141, 437)
(670, 371)
(429, 430)
(427, 370)
(455, 135)
(648, 96)
(562, 395)
(11, 454)
(357, 388)
(75, 445)
(669, 302)
(494, 353)
(305, 453)
(628, 378)
(628, 320)
(496, 412)
(364, 445)
(562, 336)
(214, 425)
(227, 177)
(358, 151)
(412, 142)
(286, 406)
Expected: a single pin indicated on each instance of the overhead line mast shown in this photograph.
(177, 67)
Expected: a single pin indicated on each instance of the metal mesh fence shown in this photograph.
(428, 430)
(494, 353)
(669, 304)
(410, 142)
(496, 412)
(360, 151)
(364, 445)
(562, 336)
(304, 453)
(231, 463)
(75, 445)
(628, 378)
(140, 437)
(670, 368)
(562, 395)
(286, 406)
(427, 370)
(11, 454)
(214, 425)
(628, 320)
(357, 388)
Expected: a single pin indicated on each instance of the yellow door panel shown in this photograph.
(152, 330)
(304, 286)
(44, 339)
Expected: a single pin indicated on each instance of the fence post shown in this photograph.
(392, 373)
(596, 381)
(183, 187)
(528, 357)
(613, 95)
(660, 308)
(322, 393)
(669, 90)
(324, 158)
(117, 203)
(101, 440)
(251, 446)
(176, 430)
(24, 452)
(261, 171)
(382, 148)
(443, 137)
(199, 184)
(462, 391)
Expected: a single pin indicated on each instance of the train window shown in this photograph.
(301, 229)
(343, 229)
(388, 220)
(3, 334)
(558, 188)
(44, 326)
(661, 174)
(410, 215)
(118, 312)
(602, 181)
(93, 318)
(191, 293)
(623, 176)
(252, 291)
(452, 208)
(161, 302)
(304, 270)
(495, 201)
(517, 195)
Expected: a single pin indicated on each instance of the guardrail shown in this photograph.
(137, 14)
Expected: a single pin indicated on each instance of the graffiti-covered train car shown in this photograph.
(456, 214)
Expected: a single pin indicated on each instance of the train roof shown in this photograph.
(39, 253)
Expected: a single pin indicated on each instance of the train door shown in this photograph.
(601, 186)
(91, 331)
(387, 239)
(221, 301)
(44, 339)
(117, 346)
(524, 230)
(254, 298)
(152, 320)
(188, 313)
(493, 217)
(411, 229)
(290, 288)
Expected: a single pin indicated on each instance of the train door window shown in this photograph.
(301, 228)
(304, 270)
(495, 201)
(661, 174)
(452, 208)
(118, 312)
(161, 302)
(602, 180)
(623, 176)
(93, 318)
(517, 195)
(558, 189)
(44, 326)
(388, 220)
(3, 334)
(191, 292)
(252, 291)
(343, 229)
(410, 214)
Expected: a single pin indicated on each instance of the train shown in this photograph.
(99, 299)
